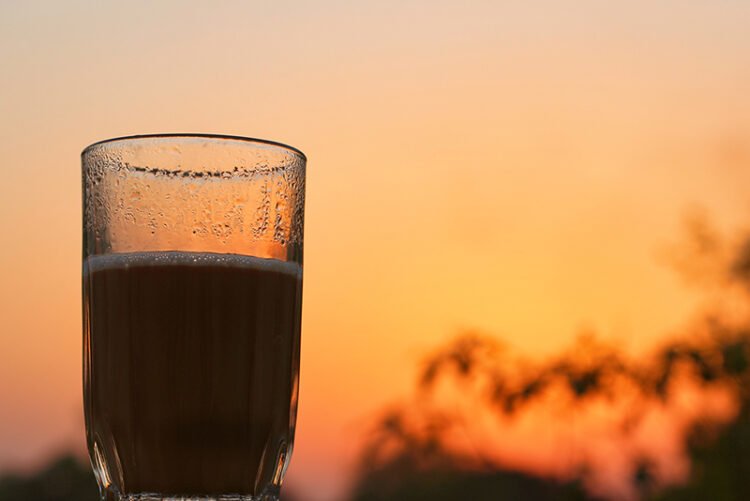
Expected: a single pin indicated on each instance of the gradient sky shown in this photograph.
(516, 167)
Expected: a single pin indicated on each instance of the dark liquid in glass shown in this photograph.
(191, 370)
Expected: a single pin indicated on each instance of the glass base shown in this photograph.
(158, 497)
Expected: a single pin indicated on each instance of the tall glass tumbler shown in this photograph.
(192, 287)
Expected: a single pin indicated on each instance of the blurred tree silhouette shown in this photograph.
(409, 456)
(66, 479)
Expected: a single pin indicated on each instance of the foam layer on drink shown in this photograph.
(179, 258)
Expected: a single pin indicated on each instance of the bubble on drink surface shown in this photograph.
(178, 258)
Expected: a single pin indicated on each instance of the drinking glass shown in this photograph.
(192, 292)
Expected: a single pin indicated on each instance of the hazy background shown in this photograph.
(522, 168)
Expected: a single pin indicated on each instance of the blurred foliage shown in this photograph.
(66, 479)
(405, 461)
(468, 485)
(408, 456)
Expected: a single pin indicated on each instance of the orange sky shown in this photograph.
(516, 168)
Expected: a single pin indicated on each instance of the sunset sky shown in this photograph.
(516, 167)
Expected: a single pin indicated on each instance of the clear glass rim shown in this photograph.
(225, 137)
